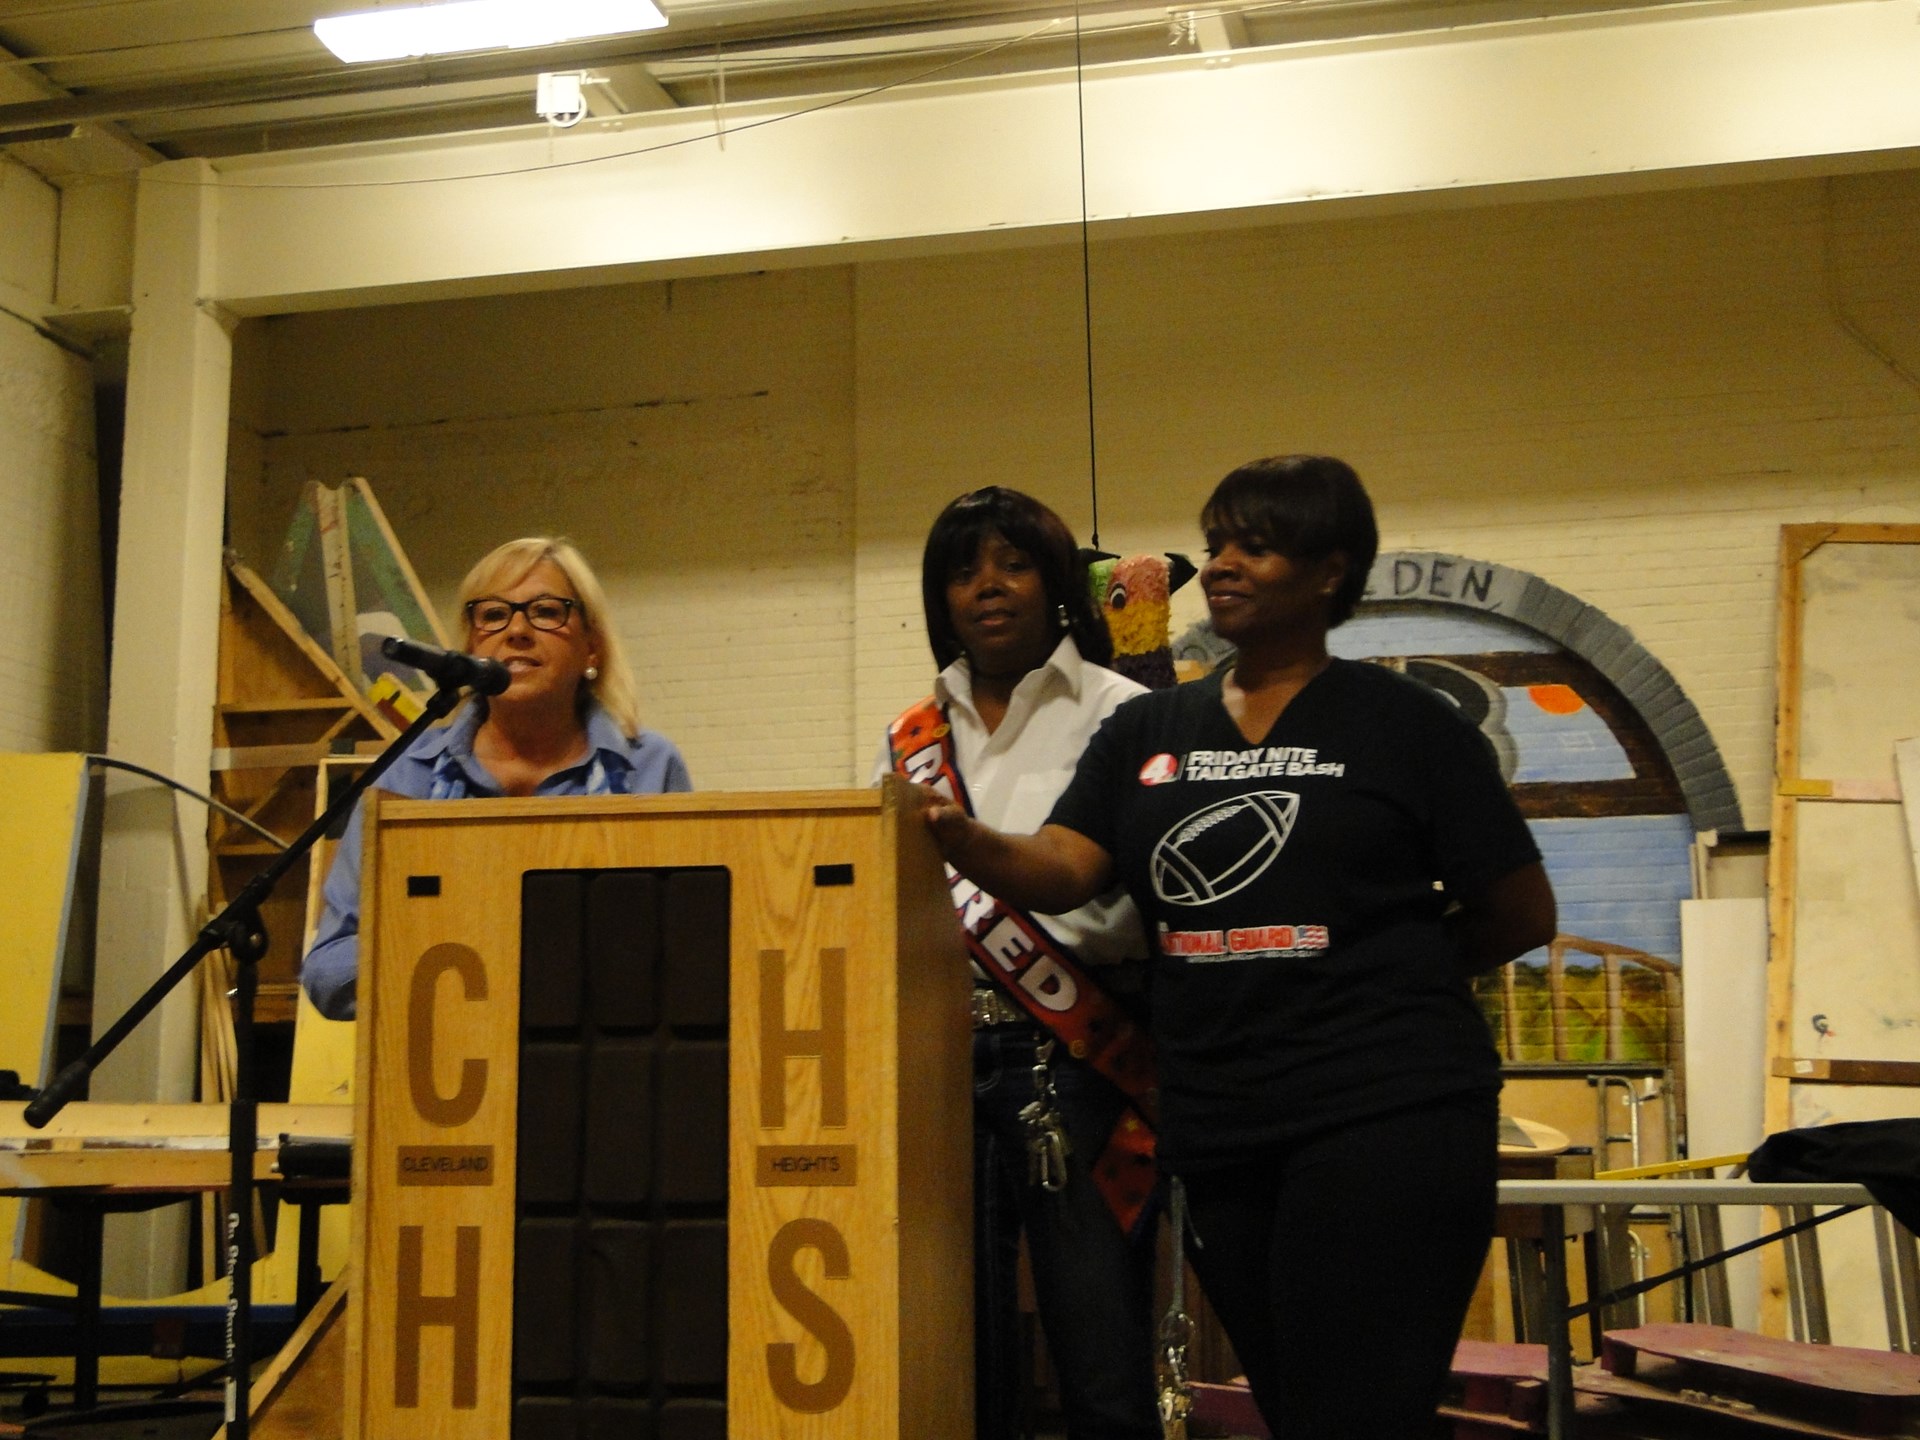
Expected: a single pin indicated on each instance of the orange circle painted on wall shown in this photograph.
(1556, 699)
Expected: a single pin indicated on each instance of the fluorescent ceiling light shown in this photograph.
(397, 32)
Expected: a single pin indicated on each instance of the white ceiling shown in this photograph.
(90, 83)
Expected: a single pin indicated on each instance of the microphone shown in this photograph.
(449, 669)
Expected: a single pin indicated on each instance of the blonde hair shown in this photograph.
(507, 565)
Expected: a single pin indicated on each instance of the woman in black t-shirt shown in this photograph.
(1324, 852)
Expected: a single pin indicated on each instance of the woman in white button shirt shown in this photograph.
(1024, 686)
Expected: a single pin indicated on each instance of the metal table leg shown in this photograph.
(86, 1340)
(1559, 1340)
(307, 1281)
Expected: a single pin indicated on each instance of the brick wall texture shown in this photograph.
(52, 656)
(1624, 395)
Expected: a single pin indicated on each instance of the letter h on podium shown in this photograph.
(459, 1312)
(780, 1043)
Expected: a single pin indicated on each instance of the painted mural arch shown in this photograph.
(1613, 768)
(1431, 577)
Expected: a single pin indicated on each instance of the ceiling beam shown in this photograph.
(683, 42)
(708, 31)
(1682, 96)
(627, 89)
(50, 150)
(1218, 30)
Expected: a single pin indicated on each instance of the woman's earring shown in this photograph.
(1061, 612)
(593, 672)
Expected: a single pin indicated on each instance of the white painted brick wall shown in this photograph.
(694, 439)
(29, 222)
(52, 671)
(1627, 396)
(52, 656)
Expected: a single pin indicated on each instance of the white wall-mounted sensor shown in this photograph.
(561, 99)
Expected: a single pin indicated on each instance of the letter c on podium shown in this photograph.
(464, 1103)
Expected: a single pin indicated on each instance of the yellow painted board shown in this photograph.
(323, 1075)
(322, 1048)
(39, 847)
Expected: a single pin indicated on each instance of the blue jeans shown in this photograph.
(1094, 1284)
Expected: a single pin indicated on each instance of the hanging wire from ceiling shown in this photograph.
(1086, 277)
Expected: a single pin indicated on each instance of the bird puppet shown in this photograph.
(1134, 593)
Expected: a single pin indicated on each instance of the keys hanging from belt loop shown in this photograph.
(1176, 1330)
(1047, 1145)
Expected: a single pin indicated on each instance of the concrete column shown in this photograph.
(162, 686)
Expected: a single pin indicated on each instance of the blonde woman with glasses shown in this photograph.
(567, 724)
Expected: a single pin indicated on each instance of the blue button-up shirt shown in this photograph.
(649, 764)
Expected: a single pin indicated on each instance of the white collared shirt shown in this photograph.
(1014, 774)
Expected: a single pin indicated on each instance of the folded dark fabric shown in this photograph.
(1883, 1155)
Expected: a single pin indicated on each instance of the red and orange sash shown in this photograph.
(1033, 969)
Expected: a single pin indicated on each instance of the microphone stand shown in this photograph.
(237, 929)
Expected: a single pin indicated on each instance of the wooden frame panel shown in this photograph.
(1843, 991)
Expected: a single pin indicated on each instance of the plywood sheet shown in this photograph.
(1844, 983)
(1724, 955)
(1860, 658)
(39, 847)
(1856, 966)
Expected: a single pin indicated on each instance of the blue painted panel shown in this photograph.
(1619, 879)
(1432, 630)
(1576, 746)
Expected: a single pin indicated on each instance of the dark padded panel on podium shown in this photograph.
(693, 1109)
(693, 935)
(545, 1418)
(551, 963)
(621, 1420)
(620, 1122)
(616, 1322)
(692, 1420)
(690, 1315)
(545, 1262)
(622, 1176)
(623, 949)
(551, 1109)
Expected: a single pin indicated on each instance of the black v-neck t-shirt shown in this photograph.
(1294, 890)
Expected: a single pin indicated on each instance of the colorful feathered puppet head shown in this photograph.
(1134, 594)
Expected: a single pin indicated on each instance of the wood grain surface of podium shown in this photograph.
(604, 1042)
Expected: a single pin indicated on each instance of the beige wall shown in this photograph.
(1626, 395)
(52, 672)
(694, 437)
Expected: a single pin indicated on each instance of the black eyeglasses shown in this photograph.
(544, 612)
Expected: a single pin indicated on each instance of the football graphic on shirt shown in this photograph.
(1222, 848)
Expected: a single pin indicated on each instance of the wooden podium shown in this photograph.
(662, 1122)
